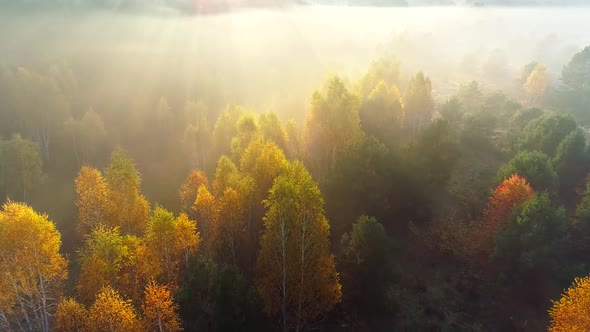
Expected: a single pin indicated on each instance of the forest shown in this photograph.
(275, 195)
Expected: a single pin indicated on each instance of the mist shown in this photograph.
(439, 154)
(288, 52)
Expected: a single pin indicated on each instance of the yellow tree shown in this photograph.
(332, 125)
(297, 276)
(170, 242)
(226, 174)
(159, 311)
(572, 312)
(536, 85)
(248, 129)
(228, 227)
(103, 258)
(418, 104)
(32, 270)
(189, 190)
(93, 199)
(128, 209)
(204, 209)
(110, 312)
(70, 316)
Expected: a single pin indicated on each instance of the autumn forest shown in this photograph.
(386, 198)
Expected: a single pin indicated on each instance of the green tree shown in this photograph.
(418, 104)
(381, 114)
(366, 268)
(21, 167)
(571, 162)
(545, 133)
(535, 167)
(436, 152)
(534, 238)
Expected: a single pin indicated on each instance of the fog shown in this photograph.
(274, 59)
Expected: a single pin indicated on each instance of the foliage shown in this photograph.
(128, 209)
(366, 271)
(159, 311)
(21, 167)
(93, 199)
(189, 190)
(70, 316)
(545, 133)
(110, 312)
(571, 313)
(332, 125)
(504, 200)
(418, 104)
(535, 167)
(533, 239)
(297, 280)
(32, 270)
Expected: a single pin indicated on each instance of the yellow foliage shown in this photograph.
(204, 208)
(29, 258)
(92, 199)
(228, 226)
(297, 275)
(112, 313)
(70, 316)
(189, 189)
(572, 312)
(159, 312)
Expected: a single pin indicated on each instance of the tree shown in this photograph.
(189, 190)
(332, 125)
(571, 162)
(159, 311)
(93, 199)
(572, 311)
(32, 270)
(272, 130)
(248, 129)
(418, 104)
(129, 209)
(545, 133)
(103, 257)
(170, 243)
(576, 75)
(229, 226)
(197, 135)
(87, 135)
(436, 152)
(297, 279)
(204, 209)
(20, 167)
(573, 95)
(263, 161)
(360, 183)
(366, 271)
(385, 69)
(533, 239)
(536, 85)
(535, 167)
(110, 312)
(225, 129)
(226, 175)
(70, 316)
(507, 197)
(381, 114)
